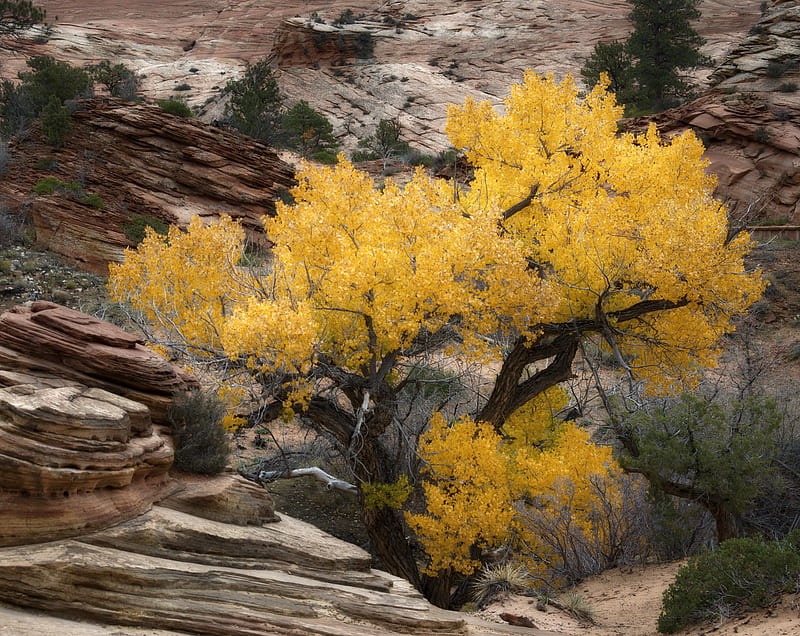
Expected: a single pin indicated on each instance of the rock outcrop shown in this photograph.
(142, 162)
(48, 341)
(78, 447)
(301, 42)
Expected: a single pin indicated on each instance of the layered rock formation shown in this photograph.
(76, 452)
(142, 162)
(750, 120)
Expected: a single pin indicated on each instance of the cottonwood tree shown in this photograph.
(567, 232)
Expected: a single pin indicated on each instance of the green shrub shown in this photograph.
(739, 573)
(183, 87)
(174, 107)
(326, 156)
(46, 163)
(48, 185)
(119, 80)
(94, 200)
(201, 443)
(55, 122)
(135, 231)
(788, 87)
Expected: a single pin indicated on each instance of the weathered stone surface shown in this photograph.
(76, 454)
(127, 587)
(225, 498)
(48, 339)
(140, 161)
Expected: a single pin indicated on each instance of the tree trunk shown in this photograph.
(726, 522)
(387, 534)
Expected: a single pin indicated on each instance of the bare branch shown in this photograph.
(331, 483)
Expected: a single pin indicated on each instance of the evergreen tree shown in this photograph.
(18, 15)
(613, 59)
(663, 43)
(256, 103)
(309, 132)
(645, 70)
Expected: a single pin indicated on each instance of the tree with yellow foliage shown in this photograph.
(567, 231)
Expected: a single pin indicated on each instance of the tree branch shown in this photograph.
(264, 477)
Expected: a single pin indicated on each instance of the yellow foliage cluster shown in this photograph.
(479, 485)
(379, 266)
(186, 282)
(613, 219)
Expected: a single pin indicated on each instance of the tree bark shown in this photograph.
(726, 522)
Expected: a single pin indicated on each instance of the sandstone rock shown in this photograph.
(225, 498)
(71, 461)
(129, 587)
(78, 448)
(749, 123)
(48, 339)
(140, 161)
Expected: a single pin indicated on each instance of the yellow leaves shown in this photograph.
(378, 495)
(468, 499)
(379, 266)
(477, 482)
(271, 335)
(612, 219)
(185, 282)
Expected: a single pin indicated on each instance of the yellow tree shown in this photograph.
(567, 231)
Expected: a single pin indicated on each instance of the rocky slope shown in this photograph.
(141, 162)
(427, 53)
(750, 120)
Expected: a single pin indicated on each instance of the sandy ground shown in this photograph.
(627, 602)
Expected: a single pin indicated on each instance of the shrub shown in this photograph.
(345, 17)
(48, 78)
(12, 228)
(174, 107)
(119, 80)
(739, 573)
(309, 132)
(364, 46)
(495, 580)
(327, 157)
(201, 443)
(136, 230)
(788, 87)
(94, 200)
(48, 185)
(55, 122)
(776, 69)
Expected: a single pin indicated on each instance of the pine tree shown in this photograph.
(663, 43)
(255, 107)
(645, 70)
